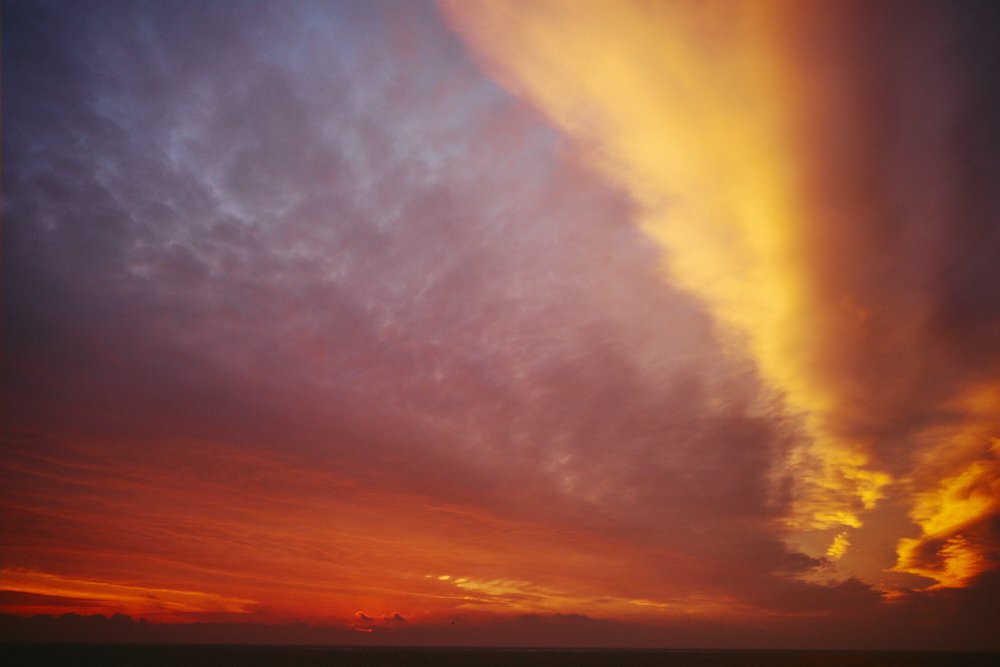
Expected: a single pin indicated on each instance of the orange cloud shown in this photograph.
(839, 546)
(164, 603)
(953, 547)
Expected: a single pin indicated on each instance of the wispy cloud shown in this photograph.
(115, 597)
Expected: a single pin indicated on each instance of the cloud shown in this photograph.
(92, 595)
(300, 260)
(798, 183)
(298, 307)
(958, 520)
(841, 542)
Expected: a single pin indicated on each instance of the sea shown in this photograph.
(188, 655)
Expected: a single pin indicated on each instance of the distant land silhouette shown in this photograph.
(539, 630)
(123, 640)
(544, 631)
(123, 629)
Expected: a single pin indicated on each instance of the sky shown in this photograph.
(497, 322)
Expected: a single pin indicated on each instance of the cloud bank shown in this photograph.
(306, 314)
(799, 166)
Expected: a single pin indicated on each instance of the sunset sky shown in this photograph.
(576, 322)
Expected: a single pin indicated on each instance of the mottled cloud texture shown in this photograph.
(665, 324)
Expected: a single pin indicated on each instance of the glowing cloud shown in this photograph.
(691, 115)
(139, 600)
(839, 546)
(714, 117)
(952, 548)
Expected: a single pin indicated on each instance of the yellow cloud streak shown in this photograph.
(948, 511)
(530, 597)
(690, 111)
(838, 547)
(135, 599)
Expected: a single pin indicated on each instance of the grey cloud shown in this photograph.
(218, 228)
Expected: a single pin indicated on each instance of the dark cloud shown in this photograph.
(910, 93)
